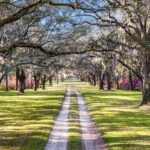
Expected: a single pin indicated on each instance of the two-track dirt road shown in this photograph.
(90, 136)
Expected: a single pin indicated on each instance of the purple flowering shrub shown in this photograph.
(125, 84)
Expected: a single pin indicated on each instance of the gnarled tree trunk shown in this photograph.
(43, 81)
(89, 80)
(131, 81)
(101, 81)
(50, 80)
(6, 83)
(146, 80)
(109, 81)
(94, 79)
(117, 82)
(36, 81)
(62, 79)
(16, 80)
(20, 75)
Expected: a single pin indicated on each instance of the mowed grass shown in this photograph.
(74, 142)
(26, 120)
(123, 125)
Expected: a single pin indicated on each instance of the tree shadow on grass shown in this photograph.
(26, 120)
(31, 93)
(127, 143)
(122, 125)
(15, 141)
(113, 93)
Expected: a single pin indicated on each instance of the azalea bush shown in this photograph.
(125, 84)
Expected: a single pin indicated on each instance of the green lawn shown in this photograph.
(26, 121)
(123, 125)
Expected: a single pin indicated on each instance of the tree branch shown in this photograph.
(131, 69)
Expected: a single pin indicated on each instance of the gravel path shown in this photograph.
(59, 135)
(91, 139)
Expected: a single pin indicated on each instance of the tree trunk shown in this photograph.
(89, 79)
(31, 84)
(101, 81)
(94, 79)
(131, 82)
(6, 83)
(16, 80)
(102, 84)
(20, 74)
(117, 82)
(146, 80)
(57, 80)
(43, 85)
(51, 81)
(36, 77)
(109, 80)
(36, 82)
(21, 87)
(82, 78)
(43, 81)
(62, 79)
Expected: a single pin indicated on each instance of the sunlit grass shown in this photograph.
(74, 142)
(123, 125)
(26, 121)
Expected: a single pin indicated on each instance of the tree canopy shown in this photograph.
(93, 37)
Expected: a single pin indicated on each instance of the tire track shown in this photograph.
(59, 136)
(91, 139)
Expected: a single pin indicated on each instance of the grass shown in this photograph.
(123, 125)
(74, 142)
(26, 121)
